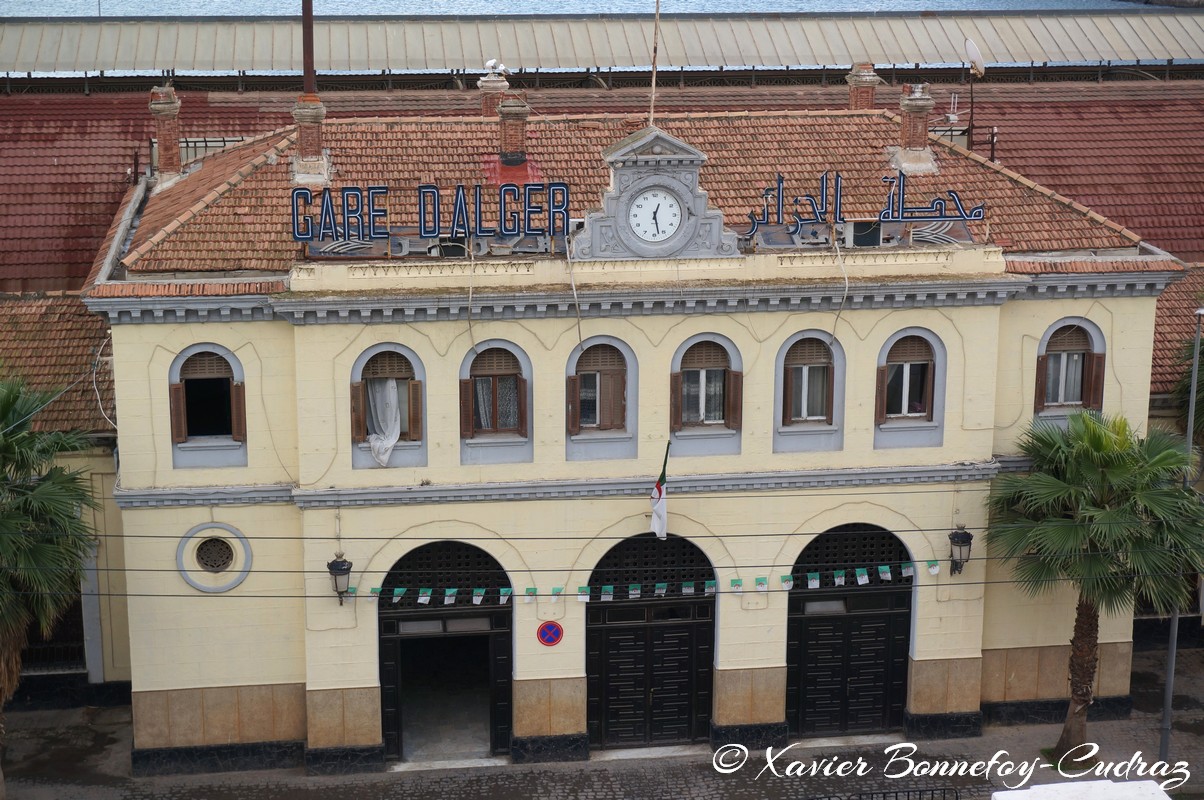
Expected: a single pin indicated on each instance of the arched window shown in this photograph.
(905, 381)
(494, 397)
(386, 403)
(597, 394)
(706, 391)
(1069, 373)
(807, 384)
(207, 401)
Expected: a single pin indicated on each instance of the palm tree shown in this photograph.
(1105, 512)
(44, 542)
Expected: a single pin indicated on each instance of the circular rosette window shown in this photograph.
(213, 557)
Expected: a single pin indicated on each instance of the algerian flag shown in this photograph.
(660, 511)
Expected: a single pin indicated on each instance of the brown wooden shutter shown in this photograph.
(466, 409)
(733, 399)
(675, 401)
(572, 405)
(415, 432)
(179, 412)
(1042, 373)
(522, 406)
(788, 394)
(238, 412)
(831, 392)
(1093, 387)
(880, 397)
(614, 391)
(929, 383)
(359, 403)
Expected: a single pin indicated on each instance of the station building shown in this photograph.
(446, 356)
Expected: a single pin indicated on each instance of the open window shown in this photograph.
(206, 401)
(493, 399)
(597, 393)
(1070, 374)
(386, 404)
(808, 383)
(707, 391)
(905, 382)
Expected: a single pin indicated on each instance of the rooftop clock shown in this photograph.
(654, 208)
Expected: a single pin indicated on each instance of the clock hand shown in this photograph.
(654, 220)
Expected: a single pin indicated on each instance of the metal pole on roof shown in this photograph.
(310, 81)
(656, 31)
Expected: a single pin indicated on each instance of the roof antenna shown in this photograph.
(977, 69)
(656, 30)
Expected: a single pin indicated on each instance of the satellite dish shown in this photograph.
(977, 66)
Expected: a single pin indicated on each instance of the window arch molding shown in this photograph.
(611, 443)
(1098, 342)
(494, 449)
(173, 373)
(714, 438)
(733, 352)
(810, 436)
(219, 442)
(407, 452)
(907, 432)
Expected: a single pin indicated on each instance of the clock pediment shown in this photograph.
(652, 147)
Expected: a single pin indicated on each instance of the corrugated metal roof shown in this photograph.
(436, 44)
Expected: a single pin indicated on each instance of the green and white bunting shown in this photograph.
(884, 572)
(398, 593)
(709, 587)
(762, 584)
(449, 596)
(557, 591)
(909, 569)
(863, 576)
(738, 585)
(582, 594)
(787, 582)
(812, 580)
(934, 567)
(375, 590)
(661, 589)
(633, 591)
(424, 596)
(838, 577)
(687, 587)
(478, 595)
(608, 593)
(504, 595)
(531, 592)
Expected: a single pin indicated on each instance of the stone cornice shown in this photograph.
(555, 489)
(1107, 284)
(135, 310)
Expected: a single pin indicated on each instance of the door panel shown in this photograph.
(626, 686)
(670, 686)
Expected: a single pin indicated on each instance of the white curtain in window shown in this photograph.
(384, 418)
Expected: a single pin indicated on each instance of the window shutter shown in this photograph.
(705, 355)
(522, 406)
(359, 424)
(179, 412)
(733, 397)
(929, 382)
(675, 401)
(572, 405)
(1095, 369)
(1042, 373)
(238, 412)
(614, 389)
(466, 409)
(787, 395)
(415, 432)
(909, 348)
(880, 397)
(831, 392)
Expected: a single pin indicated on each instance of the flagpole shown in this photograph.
(659, 498)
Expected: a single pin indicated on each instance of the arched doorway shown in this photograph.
(847, 646)
(445, 668)
(649, 658)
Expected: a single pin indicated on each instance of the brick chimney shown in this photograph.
(915, 105)
(513, 113)
(492, 85)
(309, 113)
(165, 108)
(862, 81)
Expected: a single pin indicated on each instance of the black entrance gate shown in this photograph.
(847, 645)
(460, 642)
(649, 659)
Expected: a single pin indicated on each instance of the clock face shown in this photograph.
(654, 215)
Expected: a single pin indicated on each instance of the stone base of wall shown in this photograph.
(344, 760)
(219, 715)
(1045, 712)
(548, 708)
(1042, 673)
(66, 690)
(565, 747)
(955, 725)
(754, 736)
(216, 758)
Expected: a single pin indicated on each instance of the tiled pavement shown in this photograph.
(84, 755)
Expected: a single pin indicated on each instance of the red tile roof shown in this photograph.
(54, 342)
(1174, 324)
(232, 214)
(1062, 266)
(151, 289)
